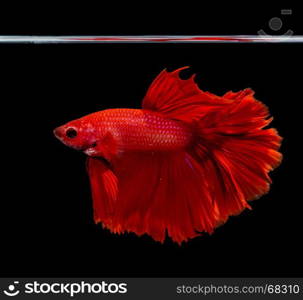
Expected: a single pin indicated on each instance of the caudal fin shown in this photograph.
(237, 152)
(231, 145)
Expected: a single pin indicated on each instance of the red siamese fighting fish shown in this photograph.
(182, 164)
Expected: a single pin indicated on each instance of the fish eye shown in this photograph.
(71, 133)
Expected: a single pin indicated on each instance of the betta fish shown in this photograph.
(181, 165)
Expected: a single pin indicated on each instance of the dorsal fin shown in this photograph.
(180, 99)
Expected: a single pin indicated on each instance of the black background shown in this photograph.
(46, 218)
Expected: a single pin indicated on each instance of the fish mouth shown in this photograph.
(93, 152)
(90, 150)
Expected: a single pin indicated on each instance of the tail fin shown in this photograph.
(237, 152)
(231, 146)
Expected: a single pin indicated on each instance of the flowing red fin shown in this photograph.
(104, 187)
(237, 152)
(180, 99)
(159, 193)
(242, 115)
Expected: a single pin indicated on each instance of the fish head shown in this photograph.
(80, 134)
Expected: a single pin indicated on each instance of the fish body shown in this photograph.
(179, 166)
(127, 130)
